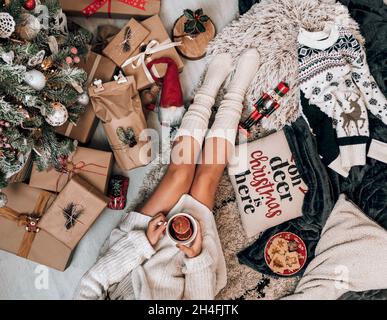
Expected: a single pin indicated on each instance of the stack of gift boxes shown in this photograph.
(45, 219)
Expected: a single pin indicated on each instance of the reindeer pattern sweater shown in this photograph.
(334, 76)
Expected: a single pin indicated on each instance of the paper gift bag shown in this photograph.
(118, 105)
(74, 211)
(92, 165)
(20, 233)
(144, 41)
(114, 8)
(99, 67)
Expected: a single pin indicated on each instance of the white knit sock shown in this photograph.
(230, 110)
(195, 121)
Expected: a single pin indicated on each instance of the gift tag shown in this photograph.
(120, 78)
(98, 85)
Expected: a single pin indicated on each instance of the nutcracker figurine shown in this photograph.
(264, 107)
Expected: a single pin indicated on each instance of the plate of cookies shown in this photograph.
(285, 253)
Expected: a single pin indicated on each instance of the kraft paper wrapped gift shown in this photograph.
(148, 40)
(99, 67)
(74, 211)
(118, 105)
(18, 232)
(33, 225)
(92, 165)
(118, 8)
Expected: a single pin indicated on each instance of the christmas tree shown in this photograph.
(41, 86)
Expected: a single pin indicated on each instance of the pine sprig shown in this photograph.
(66, 95)
(71, 213)
(67, 76)
(8, 113)
(51, 148)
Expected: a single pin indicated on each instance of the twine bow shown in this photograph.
(28, 221)
(70, 168)
(151, 48)
(96, 5)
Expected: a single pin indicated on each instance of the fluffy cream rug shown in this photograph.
(272, 27)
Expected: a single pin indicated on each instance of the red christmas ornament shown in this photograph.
(29, 5)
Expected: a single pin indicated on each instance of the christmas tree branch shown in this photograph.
(9, 113)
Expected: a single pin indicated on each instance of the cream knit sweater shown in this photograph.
(132, 269)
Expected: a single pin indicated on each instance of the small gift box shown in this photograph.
(19, 227)
(111, 8)
(99, 67)
(139, 43)
(74, 211)
(92, 165)
(118, 189)
(35, 226)
(118, 105)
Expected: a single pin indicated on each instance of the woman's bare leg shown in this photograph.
(220, 141)
(188, 142)
(177, 180)
(209, 173)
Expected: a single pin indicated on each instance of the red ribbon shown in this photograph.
(96, 5)
(70, 168)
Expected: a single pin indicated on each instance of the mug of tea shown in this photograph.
(182, 228)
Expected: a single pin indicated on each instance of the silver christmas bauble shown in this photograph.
(35, 79)
(28, 27)
(58, 115)
(3, 199)
(83, 99)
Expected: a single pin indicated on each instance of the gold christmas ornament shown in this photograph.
(29, 27)
(47, 63)
(58, 114)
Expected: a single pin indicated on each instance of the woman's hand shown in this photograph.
(156, 229)
(196, 248)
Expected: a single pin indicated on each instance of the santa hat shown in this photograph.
(171, 109)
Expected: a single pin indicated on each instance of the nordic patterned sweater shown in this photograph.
(334, 76)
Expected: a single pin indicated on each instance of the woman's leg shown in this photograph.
(188, 142)
(220, 141)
